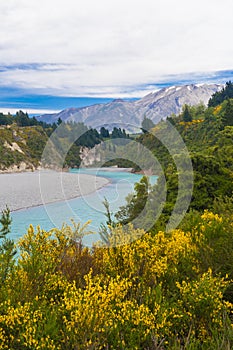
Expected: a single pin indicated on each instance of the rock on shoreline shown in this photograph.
(21, 167)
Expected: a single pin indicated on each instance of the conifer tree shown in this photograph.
(5, 222)
(7, 249)
(147, 124)
(187, 117)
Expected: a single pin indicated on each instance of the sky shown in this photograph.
(56, 54)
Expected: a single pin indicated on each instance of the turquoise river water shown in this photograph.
(81, 209)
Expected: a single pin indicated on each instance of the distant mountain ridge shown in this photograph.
(120, 113)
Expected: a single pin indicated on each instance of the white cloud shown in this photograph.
(110, 46)
(32, 111)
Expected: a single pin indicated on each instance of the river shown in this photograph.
(81, 209)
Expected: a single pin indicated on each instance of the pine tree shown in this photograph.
(5, 221)
(59, 121)
(106, 229)
(147, 124)
(7, 249)
(187, 117)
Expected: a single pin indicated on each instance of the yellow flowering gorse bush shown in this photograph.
(141, 291)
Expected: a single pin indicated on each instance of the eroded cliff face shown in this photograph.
(91, 157)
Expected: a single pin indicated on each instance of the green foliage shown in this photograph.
(105, 230)
(5, 222)
(73, 159)
(211, 181)
(136, 202)
(5, 119)
(151, 142)
(187, 117)
(211, 151)
(21, 119)
(227, 118)
(147, 124)
(104, 133)
(220, 96)
(59, 121)
(89, 139)
(222, 147)
(7, 249)
(117, 133)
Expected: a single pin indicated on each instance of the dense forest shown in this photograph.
(150, 289)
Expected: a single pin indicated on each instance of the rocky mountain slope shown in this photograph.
(120, 113)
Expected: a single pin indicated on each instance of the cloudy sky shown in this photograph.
(52, 52)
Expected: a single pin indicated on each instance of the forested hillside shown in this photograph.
(208, 135)
(23, 139)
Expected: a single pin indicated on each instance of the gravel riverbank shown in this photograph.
(28, 189)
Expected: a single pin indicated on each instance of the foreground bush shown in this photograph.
(158, 292)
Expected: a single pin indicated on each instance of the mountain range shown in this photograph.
(129, 114)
